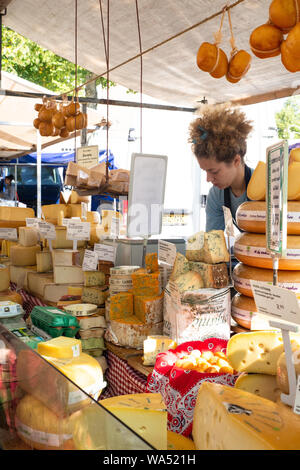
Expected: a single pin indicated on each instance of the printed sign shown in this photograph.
(9, 234)
(166, 252)
(105, 252)
(90, 261)
(78, 231)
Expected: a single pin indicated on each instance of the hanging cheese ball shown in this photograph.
(36, 123)
(64, 132)
(284, 13)
(56, 132)
(38, 106)
(85, 123)
(211, 60)
(265, 41)
(238, 66)
(72, 108)
(293, 41)
(70, 123)
(46, 128)
(45, 114)
(291, 63)
(79, 121)
(58, 120)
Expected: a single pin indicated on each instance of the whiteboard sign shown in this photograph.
(146, 194)
(276, 302)
(87, 156)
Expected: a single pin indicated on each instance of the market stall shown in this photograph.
(176, 346)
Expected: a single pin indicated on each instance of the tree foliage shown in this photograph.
(288, 119)
(28, 60)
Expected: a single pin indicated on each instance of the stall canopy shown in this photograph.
(169, 71)
(17, 135)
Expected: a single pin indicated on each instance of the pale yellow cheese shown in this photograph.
(250, 249)
(144, 413)
(66, 257)
(74, 210)
(262, 385)
(256, 189)
(251, 217)
(6, 246)
(207, 247)
(257, 351)
(13, 217)
(52, 213)
(24, 255)
(294, 155)
(4, 278)
(294, 181)
(44, 261)
(28, 236)
(68, 274)
(226, 418)
(61, 239)
(75, 198)
(181, 266)
(106, 218)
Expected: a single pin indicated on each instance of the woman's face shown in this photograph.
(220, 174)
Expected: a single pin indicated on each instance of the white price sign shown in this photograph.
(115, 227)
(276, 302)
(33, 222)
(78, 231)
(8, 233)
(90, 261)
(105, 252)
(47, 230)
(166, 252)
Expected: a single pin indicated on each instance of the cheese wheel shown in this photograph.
(251, 217)
(11, 296)
(294, 181)
(13, 217)
(4, 278)
(244, 312)
(242, 275)
(28, 236)
(24, 255)
(250, 248)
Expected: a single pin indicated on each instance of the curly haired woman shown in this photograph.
(218, 140)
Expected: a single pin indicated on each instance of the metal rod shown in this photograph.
(130, 104)
(38, 175)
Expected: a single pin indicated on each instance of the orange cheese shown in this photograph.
(256, 189)
(251, 217)
(242, 275)
(151, 262)
(250, 248)
(121, 306)
(149, 309)
(147, 284)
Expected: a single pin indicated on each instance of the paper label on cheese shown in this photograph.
(166, 252)
(256, 322)
(105, 252)
(255, 216)
(256, 251)
(245, 284)
(84, 209)
(9, 234)
(33, 222)
(93, 390)
(78, 231)
(90, 261)
(47, 230)
(46, 438)
(115, 227)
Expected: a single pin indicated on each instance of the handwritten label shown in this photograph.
(47, 230)
(115, 227)
(87, 156)
(33, 222)
(90, 261)
(276, 302)
(9, 234)
(78, 231)
(166, 252)
(105, 252)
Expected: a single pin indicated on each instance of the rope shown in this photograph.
(76, 76)
(141, 76)
(232, 40)
(150, 49)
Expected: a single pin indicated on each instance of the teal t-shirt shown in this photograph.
(214, 209)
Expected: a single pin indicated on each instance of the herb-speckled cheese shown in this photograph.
(213, 275)
(94, 278)
(207, 247)
(189, 281)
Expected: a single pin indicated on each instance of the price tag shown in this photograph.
(276, 198)
(47, 230)
(105, 252)
(166, 252)
(229, 229)
(115, 227)
(90, 261)
(9, 234)
(276, 302)
(33, 222)
(78, 231)
(297, 400)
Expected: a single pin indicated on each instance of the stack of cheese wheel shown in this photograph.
(250, 246)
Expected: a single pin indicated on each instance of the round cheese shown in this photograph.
(242, 275)
(24, 255)
(242, 308)
(250, 248)
(4, 278)
(80, 310)
(251, 217)
(40, 428)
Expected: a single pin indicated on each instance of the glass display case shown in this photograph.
(40, 408)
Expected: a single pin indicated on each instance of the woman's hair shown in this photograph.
(221, 132)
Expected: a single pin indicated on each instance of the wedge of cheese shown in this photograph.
(154, 345)
(189, 281)
(226, 418)
(256, 189)
(262, 385)
(144, 413)
(213, 275)
(181, 266)
(28, 236)
(257, 351)
(207, 247)
(54, 212)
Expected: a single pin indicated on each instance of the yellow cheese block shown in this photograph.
(52, 213)
(256, 189)
(75, 198)
(226, 418)
(294, 155)
(4, 278)
(294, 181)
(207, 247)
(60, 347)
(154, 345)
(262, 385)
(40, 428)
(179, 442)
(61, 239)
(44, 261)
(72, 290)
(28, 236)
(242, 275)
(24, 255)
(13, 217)
(251, 217)
(257, 351)
(250, 248)
(74, 210)
(144, 413)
